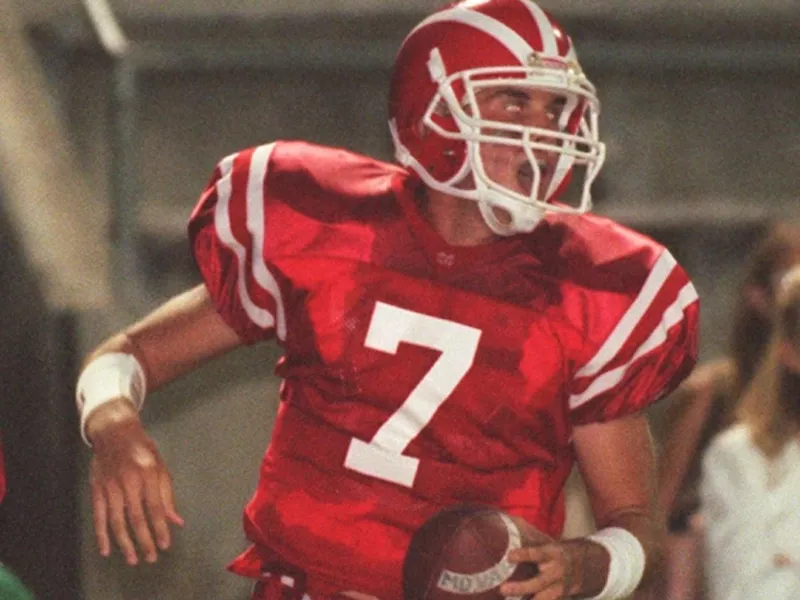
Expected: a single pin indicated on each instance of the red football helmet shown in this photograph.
(437, 127)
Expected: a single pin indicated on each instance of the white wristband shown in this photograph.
(626, 566)
(106, 378)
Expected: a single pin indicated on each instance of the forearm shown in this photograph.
(618, 466)
(650, 533)
(160, 366)
(173, 339)
(591, 561)
(587, 567)
(166, 344)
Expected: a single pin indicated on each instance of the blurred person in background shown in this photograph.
(11, 588)
(456, 328)
(704, 405)
(2, 472)
(751, 474)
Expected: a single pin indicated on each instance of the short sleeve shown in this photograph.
(649, 351)
(226, 232)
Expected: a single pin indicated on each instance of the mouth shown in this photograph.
(525, 175)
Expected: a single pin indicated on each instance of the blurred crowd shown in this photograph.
(729, 466)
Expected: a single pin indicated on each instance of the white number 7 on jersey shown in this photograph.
(383, 456)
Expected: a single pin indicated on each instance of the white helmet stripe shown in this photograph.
(515, 43)
(549, 43)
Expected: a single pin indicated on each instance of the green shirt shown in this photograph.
(11, 587)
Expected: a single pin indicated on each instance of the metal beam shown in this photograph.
(126, 275)
(378, 55)
(313, 43)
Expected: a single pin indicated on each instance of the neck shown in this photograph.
(457, 220)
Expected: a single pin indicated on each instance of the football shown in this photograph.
(460, 554)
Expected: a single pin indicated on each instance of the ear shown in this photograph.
(758, 299)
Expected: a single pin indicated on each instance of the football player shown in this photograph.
(455, 327)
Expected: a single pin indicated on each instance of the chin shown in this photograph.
(502, 215)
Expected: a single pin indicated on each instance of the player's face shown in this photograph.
(529, 107)
(790, 357)
(788, 262)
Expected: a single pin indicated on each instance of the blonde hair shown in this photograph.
(771, 416)
(776, 251)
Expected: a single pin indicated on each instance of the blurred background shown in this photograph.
(112, 117)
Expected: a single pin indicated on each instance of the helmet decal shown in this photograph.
(553, 39)
(501, 32)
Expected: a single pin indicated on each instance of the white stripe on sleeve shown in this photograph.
(616, 340)
(255, 225)
(672, 316)
(255, 219)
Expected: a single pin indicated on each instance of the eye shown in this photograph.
(555, 108)
(515, 101)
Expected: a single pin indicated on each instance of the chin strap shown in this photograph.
(519, 221)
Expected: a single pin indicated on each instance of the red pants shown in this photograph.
(285, 587)
(278, 580)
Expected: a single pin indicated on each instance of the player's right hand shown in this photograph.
(130, 484)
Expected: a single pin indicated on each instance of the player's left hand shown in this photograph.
(561, 570)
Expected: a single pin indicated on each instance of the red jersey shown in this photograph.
(417, 374)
